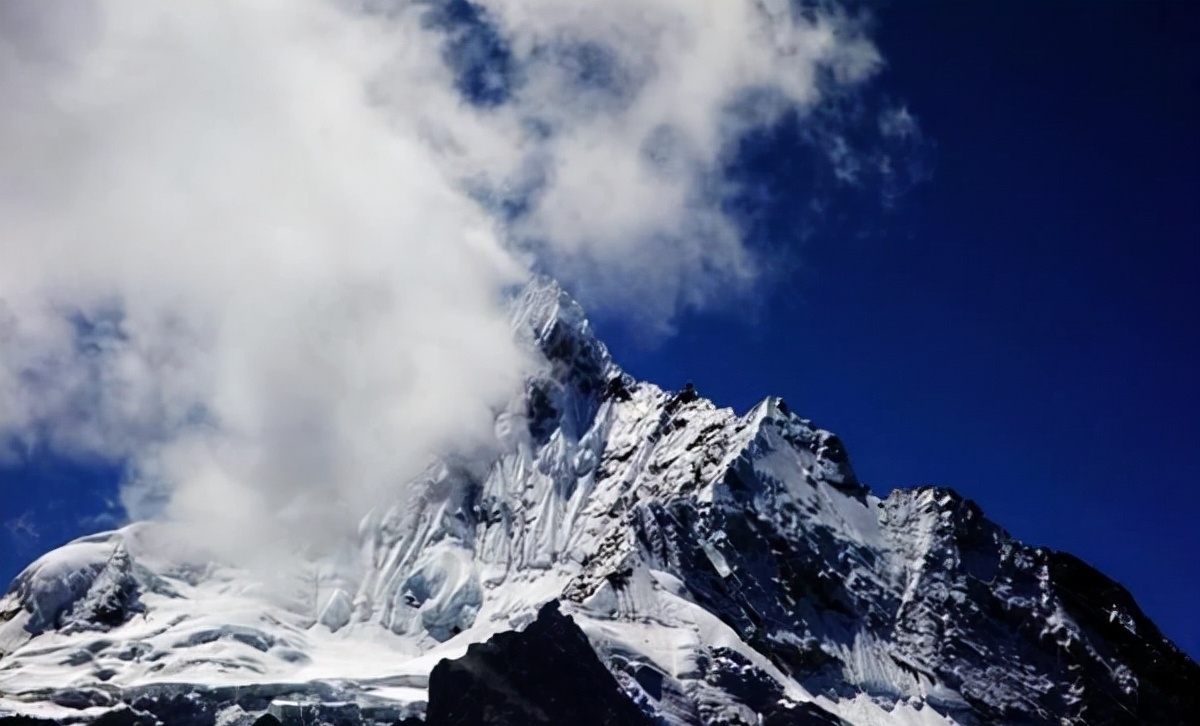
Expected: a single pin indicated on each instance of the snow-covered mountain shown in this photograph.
(724, 569)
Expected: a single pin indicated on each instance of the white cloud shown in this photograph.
(242, 246)
(628, 209)
(302, 304)
(23, 528)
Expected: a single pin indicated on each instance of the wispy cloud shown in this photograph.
(258, 250)
(23, 528)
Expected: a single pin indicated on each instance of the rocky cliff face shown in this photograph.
(725, 569)
(546, 674)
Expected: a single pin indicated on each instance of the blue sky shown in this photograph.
(1023, 325)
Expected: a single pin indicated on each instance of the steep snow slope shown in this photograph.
(725, 568)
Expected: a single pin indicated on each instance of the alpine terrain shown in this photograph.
(631, 555)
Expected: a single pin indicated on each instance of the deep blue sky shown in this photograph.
(1024, 326)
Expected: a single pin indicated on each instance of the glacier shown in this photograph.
(724, 569)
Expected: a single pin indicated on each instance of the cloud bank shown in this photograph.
(258, 251)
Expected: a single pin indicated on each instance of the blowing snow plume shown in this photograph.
(258, 251)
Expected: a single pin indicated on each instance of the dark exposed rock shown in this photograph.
(801, 714)
(181, 709)
(82, 698)
(546, 674)
(126, 717)
(688, 394)
(617, 389)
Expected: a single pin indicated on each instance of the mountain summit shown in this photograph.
(631, 555)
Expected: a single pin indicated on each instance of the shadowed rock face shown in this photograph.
(1030, 635)
(547, 674)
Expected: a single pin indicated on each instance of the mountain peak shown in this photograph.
(723, 569)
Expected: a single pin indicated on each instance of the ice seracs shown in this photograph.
(725, 568)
